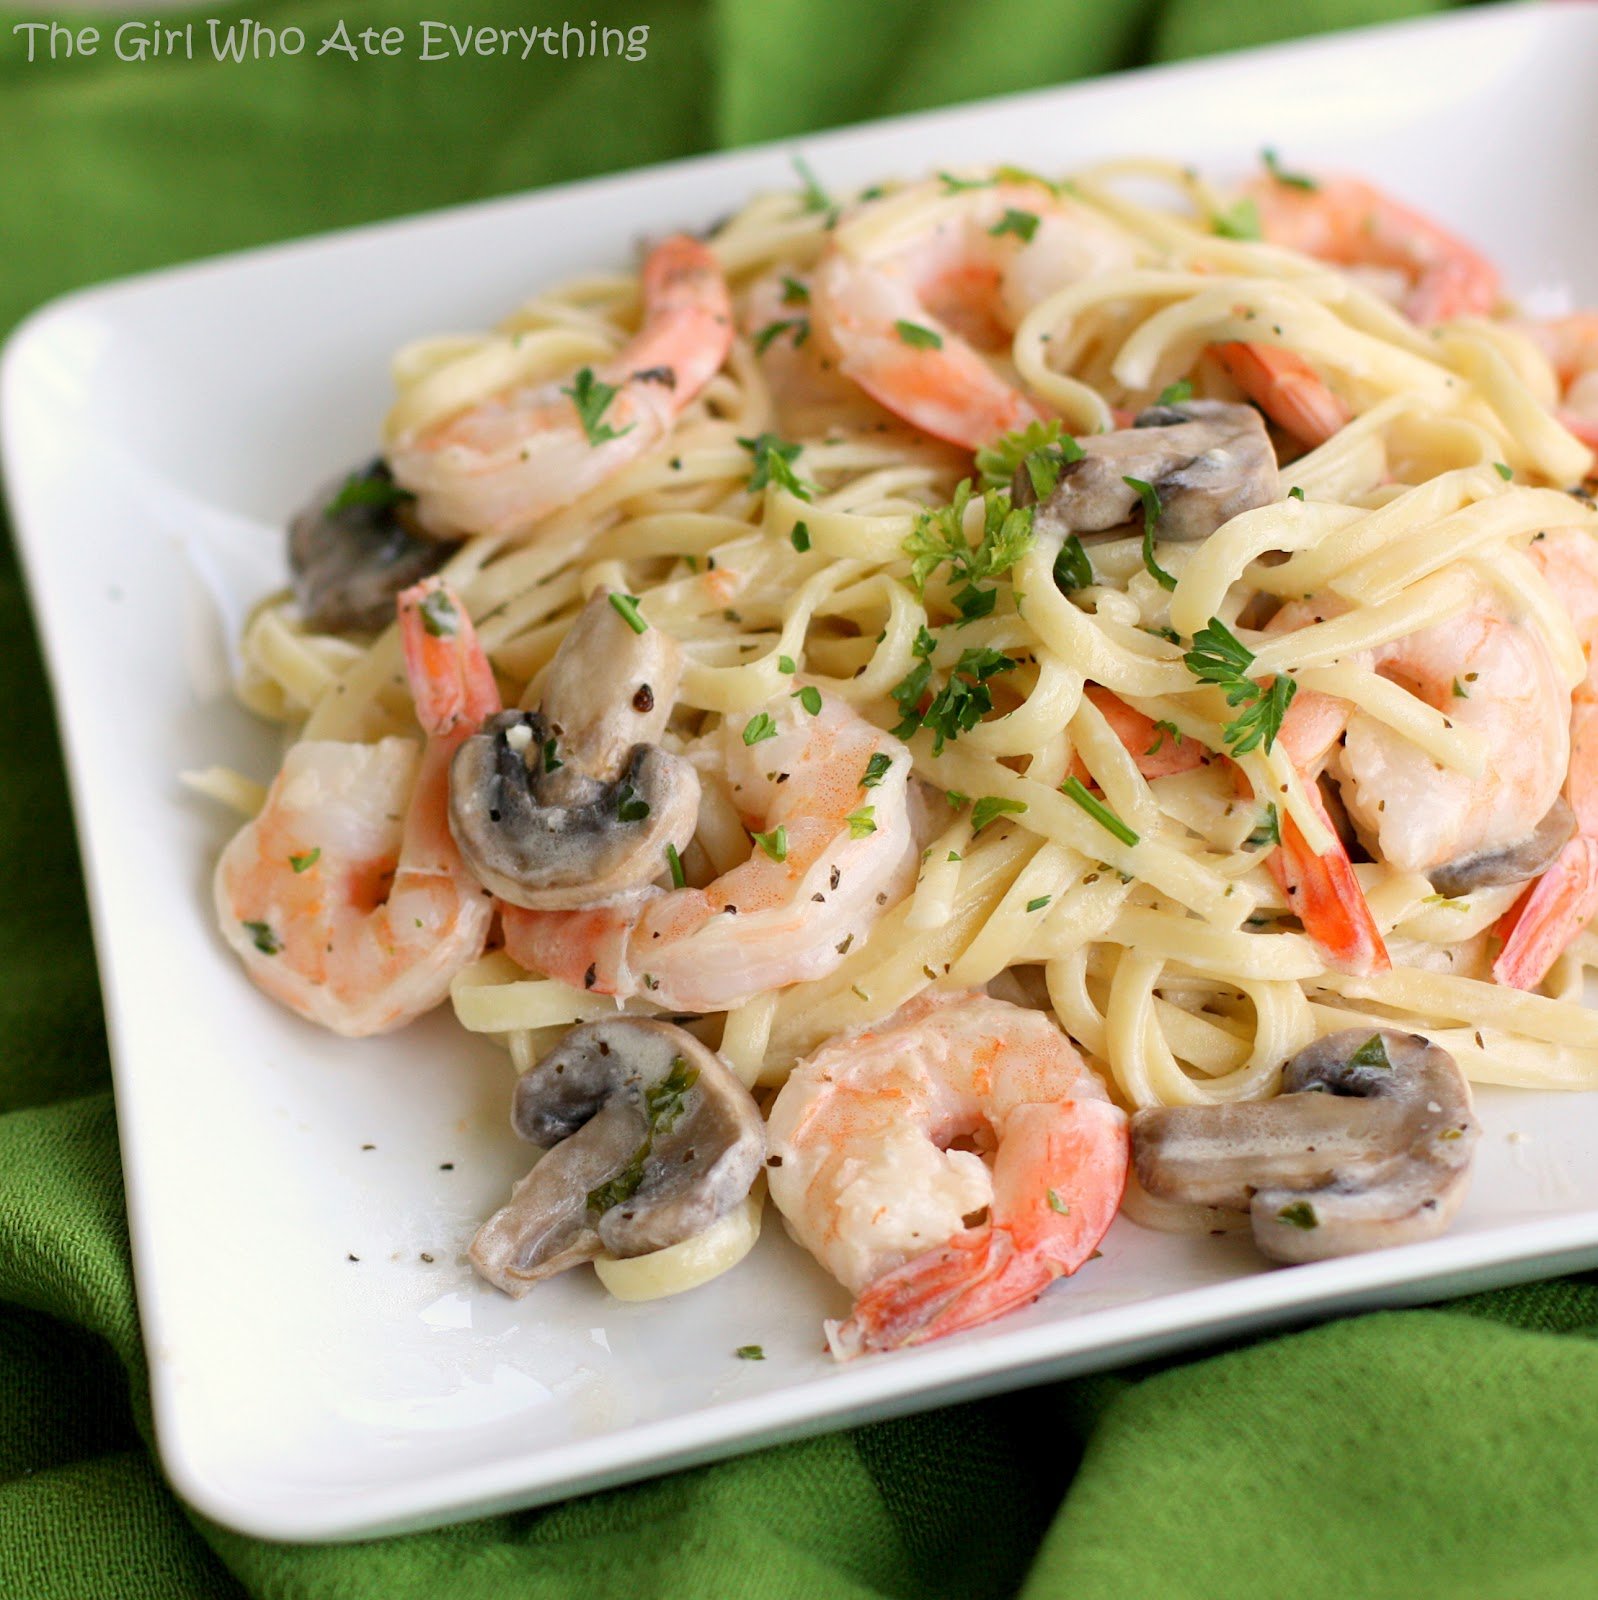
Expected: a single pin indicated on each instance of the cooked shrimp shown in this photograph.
(1488, 671)
(346, 897)
(1322, 890)
(507, 461)
(1571, 344)
(1157, 752)
(1354, 225)
(933, 1239)
(830, 855)
(1564, 900)
(1285, 387)
(910, 313)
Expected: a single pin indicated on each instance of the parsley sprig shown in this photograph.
(591, 397)
(1290, 180)
(1152, 509)
(959, 705)
(773, 463)
(1045, 448)
(939, 537)
(1218, 656)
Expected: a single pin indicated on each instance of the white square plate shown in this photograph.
(157, 432)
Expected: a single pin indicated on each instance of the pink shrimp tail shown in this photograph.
(1561, 903)
(450, 678)
(977, 1276)
(586, 949)
(1323, 892)
(1157, 752)
(1285, 387)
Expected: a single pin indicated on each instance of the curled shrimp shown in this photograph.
(1564, 900)
(932, 1239)
(1571, 345)
(914, 288)
(1285, 387)
(1354, 225)
(827, 796)
(346, 897)
(507, 461)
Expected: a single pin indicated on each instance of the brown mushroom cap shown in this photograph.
(574, 804)
(1512, 863)
(1369, 1144)
(349, 564)
(650, 1138)
(1208, 460)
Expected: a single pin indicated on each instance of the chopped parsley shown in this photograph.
(1460, 691)
(809, 697)
(917, 337)
(1291, 180)
(591, 397)
(1268, 831)
(1175, 394)
(1150, 496)
(373, 488)
(959, 705)
(1072, 568)
(785, 665)
(1038, 904)
(1161, 729)
(552, 763)
(1023, 224)
(750, 1352)
(663, 1105)
(862, 823)
(758, 727)
(626, 607)
(794, 293)
(939, 537)
(991, 806)
(876, 770)
(1073, 789)
(1057, 1204)
(1371, 1056)
(1218, 656)
(775, 843)
(954, 185)
(1241, 222)
(1301, 1214)
(629, 808)
(1295, 493)
(263, 938)
(438, 613)
(800, 536)
(774, 458)
(1045, 447)
(815, 197)
(1504, 470)
(679, 879)
(768, 335)
(305, 862)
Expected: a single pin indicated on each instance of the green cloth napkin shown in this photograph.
(1440, 1452)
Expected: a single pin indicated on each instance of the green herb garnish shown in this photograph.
(794, 293)
(438, 614)
(305, 862)
(591, 397)
(1218, 656)
(1045, 447)
(1057, 1204)
(1267, 832)
(1072, 568)
(991, 806)
(815, 197)
(626, 607)
(809, 697)
(1301, 1214)
(1073, 789)
(375, 489)
(664, 1103)
(876, 770)
(775, 843)
(758, 727)
(1176, 393)
(1038, 904)
(800, 536)
(917, 337)
(862, 822)
(629, 808)
(1023, 224)
(1152, 509)
(1292, 180)
(263, 938)
(1504, 470)
(750, 1352)
(1372, 1055)
(1241, 222)
(679, 879)
(774, 458)
(768, 335)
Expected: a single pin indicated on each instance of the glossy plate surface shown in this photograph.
(156, 434)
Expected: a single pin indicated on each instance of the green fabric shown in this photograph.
(1449, 1451)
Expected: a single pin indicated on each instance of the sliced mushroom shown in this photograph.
(1369, 1144)
(650, 1138)
(575, 803)
(1511, 863)
(1208, 460)
(352, 550)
